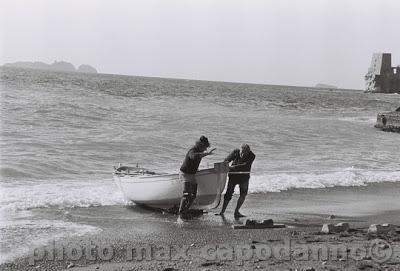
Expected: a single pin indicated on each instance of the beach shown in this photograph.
(128, 127)
(126, 227)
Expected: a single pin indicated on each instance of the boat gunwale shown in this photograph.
(144, 176)
(139, 179)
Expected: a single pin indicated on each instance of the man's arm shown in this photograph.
(249, 161)
(193, 154)
(232, 155)
(252, 158)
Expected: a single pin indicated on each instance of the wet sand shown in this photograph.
(211, 243)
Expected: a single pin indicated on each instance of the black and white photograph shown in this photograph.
(199, 135)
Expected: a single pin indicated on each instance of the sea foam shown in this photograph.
(23, 195)
(20, 195)
(275, 182)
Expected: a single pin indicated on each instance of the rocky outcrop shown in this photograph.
(325, 86)
(55, 66)
(62, 66)
(389, 121)
(28, 65)
(86, 68)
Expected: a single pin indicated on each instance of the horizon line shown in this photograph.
(181, 78)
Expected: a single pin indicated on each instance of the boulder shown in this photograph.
(253, 222)
(267, 222)
(328, 228)
(258, 224)
(382, 228)
(340, 227)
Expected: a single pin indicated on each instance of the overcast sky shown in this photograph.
(288, 42)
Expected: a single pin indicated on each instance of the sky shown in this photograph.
(281, 42)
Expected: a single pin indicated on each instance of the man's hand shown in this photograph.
(234, 167)
(207, 153)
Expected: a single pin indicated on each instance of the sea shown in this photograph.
(62, 133)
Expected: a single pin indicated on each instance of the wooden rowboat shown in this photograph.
(165, 190)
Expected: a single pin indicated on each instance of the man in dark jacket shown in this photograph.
(241, 164)
(188, 170)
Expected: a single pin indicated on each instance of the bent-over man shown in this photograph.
(188, 169)
(241, 164)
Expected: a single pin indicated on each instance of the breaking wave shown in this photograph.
(62, 194)
(70, 194)
(319, 179)
(366, 120)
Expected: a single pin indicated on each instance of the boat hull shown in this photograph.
(166, 190)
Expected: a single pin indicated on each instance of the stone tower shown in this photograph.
(381, 76)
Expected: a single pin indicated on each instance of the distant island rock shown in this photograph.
(62, 66)
(28, 65)
(55, 66)
(325, 86)
(86, 68)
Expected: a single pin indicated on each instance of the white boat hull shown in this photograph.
(166, 190)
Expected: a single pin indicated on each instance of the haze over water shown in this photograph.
(61, 134)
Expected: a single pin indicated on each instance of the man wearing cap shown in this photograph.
(188, 170)
(239, 175)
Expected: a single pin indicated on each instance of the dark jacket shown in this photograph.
(192, 161)
(240, 164)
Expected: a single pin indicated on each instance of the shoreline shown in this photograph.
(126, 226)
